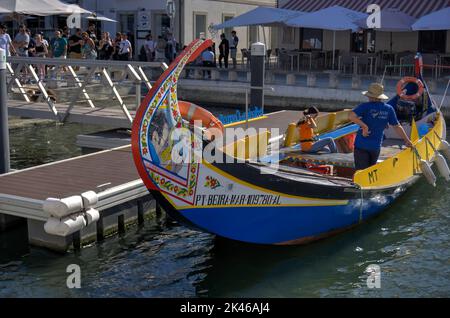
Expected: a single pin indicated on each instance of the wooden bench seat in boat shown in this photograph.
(337, 159)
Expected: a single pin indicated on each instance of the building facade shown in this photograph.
(368, 40)
(190, 19)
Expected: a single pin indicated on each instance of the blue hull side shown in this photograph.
(281, 225)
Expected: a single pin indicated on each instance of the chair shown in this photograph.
(346, 61)
(268, 55)
(432, 60)
(245, 55)
(317, 59)
(363, 62)
(407, 65)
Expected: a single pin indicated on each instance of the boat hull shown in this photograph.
(237, 198)
(284, 224)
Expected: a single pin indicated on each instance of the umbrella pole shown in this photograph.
(264, 35)
(391, 42)
(334, 48)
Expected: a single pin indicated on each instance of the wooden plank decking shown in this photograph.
(109, 168)
(61, 179)
(79, 114)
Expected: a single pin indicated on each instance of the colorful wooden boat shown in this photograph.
(292, 198)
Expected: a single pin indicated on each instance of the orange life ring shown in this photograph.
(192, 112)
(406, 80)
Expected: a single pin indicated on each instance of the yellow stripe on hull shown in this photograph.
(403, 166)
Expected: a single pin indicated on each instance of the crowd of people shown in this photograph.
(208, 57)
(86, 45)
(62, 45)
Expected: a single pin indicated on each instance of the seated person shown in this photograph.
(405, 110)
(308, 140)
(207, 60)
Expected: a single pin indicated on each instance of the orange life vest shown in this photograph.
(306, 136)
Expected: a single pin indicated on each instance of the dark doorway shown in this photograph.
(432, 41)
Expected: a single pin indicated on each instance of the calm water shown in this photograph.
(410, 241)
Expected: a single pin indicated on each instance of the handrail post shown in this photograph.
(4, 132)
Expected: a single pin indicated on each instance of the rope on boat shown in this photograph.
(445, 94)
(361, 206)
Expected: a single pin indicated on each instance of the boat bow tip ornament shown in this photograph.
(157, 117)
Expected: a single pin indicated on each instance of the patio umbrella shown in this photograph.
(97, 17)
(260, 16)
(438, 20)
(392, 20)
(41, 7)
(335, 18)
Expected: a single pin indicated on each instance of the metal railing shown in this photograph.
(26, 66)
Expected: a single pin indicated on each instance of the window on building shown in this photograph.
(252, 35)
(311, 39)
(227, 31)
(127, 25)
(161, 25)
(432, 41)
(199, 25)
(363, 41)
(35, 23)
(288, 35)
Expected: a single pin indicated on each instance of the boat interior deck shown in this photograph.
(343, 163)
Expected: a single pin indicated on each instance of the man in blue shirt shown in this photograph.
(373, 118)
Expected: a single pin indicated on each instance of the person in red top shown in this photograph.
(308, 140)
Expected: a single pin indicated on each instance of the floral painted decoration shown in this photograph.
(212, 183)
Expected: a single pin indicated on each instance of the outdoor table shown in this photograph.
(292, 55)
(442, 58)
(373, 62)
(310, 59)
(324, 53)
(355, 64)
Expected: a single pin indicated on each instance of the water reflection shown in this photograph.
(409, 241)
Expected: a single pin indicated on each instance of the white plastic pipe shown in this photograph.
(428, 172)
(65, 226)
(60, 208)
(68, 225)
(442, 166)
(90, 199)
(445, 148)
(92, 216)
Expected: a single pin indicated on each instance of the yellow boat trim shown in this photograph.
(243, 121)
(168, 198)
(401, 167)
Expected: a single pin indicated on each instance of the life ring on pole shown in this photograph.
(192, 112)
(401, 92)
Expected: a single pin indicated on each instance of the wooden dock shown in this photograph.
(111, 174)
(79, 114)
(122, 197)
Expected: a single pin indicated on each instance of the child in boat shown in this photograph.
(308, 140)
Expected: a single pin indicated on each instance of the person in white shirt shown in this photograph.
(150, 45)
(6, 42)
(233, 47)
(208, 60)
(21, 41)
(171, 47)
(125, 51)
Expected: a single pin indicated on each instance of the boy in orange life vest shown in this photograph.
(308, 141)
